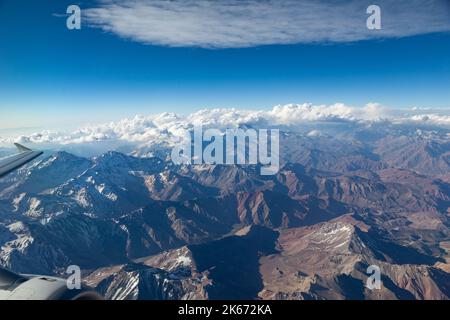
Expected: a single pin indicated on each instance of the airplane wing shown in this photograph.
(14, 162)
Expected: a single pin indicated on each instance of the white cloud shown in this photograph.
(247, 23)
(167, 128)
(433, 119)
(294, 114)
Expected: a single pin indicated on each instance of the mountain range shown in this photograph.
(141, 227)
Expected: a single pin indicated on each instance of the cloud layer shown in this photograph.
(247, 23)
(167, 128)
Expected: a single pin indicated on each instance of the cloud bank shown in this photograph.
(168, 128)
(248, 23)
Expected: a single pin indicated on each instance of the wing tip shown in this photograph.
(22, 148)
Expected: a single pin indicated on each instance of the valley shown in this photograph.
(145, 228)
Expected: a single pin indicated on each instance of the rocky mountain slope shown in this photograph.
(144, 228)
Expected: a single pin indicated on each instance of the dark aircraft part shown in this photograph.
(18, 287)
(14, 162)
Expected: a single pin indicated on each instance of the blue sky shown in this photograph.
(51, 76)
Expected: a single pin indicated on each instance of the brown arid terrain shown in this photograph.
(144, 228)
